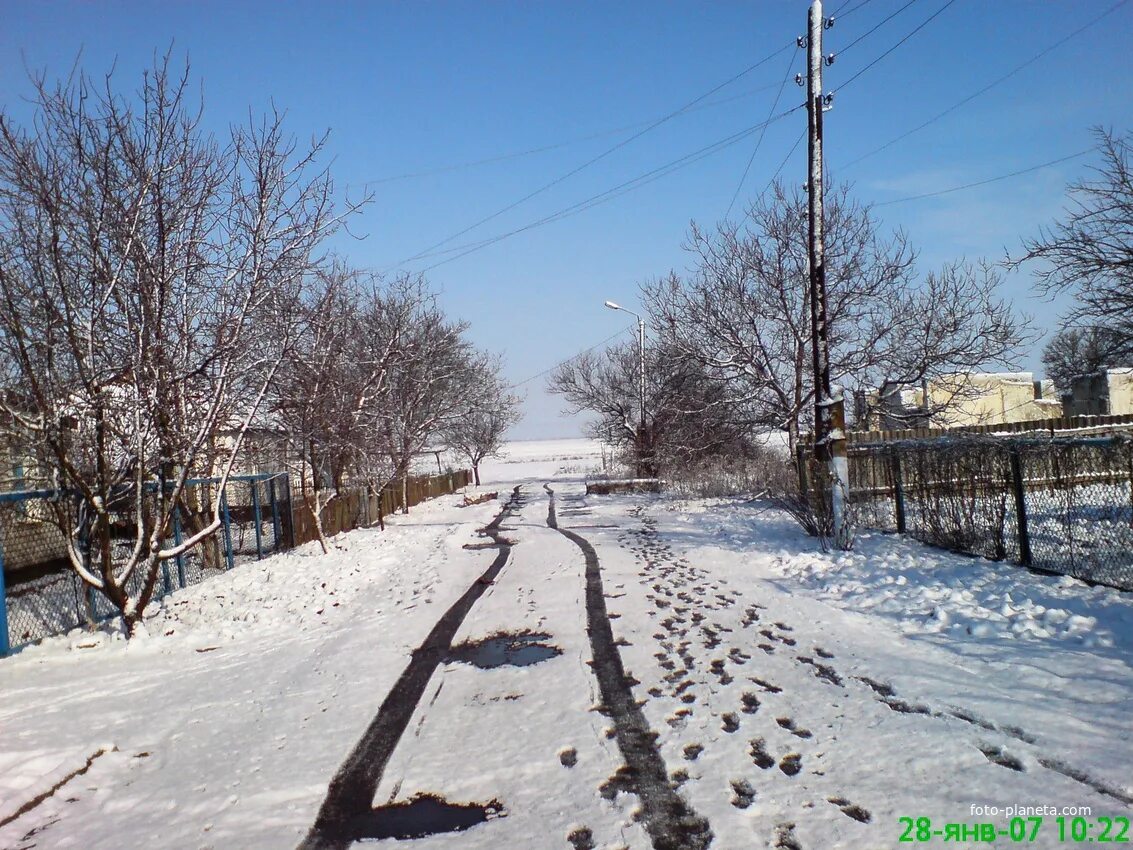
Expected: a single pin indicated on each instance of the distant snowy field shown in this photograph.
(525, 460)
(799, 696)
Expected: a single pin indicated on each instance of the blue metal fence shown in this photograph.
(41, 593)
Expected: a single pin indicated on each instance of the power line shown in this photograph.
(964, 101)
(601, 134)
(909, 35)
(595, 159)
(762, 133)
(572, 357)
(1018, 173)
(840, 14)
(783, 164)
(616, 191)
(877, 26)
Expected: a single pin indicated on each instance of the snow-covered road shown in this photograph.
(791, 698)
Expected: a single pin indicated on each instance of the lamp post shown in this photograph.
(641, 384)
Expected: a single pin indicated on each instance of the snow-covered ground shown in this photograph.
(800, 699)
(540, 460)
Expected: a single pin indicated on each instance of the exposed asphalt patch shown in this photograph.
(348, 806)
(670, 821)
(507, 649)
(423, 815)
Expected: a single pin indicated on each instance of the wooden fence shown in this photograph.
(1080, 424)
(361, 508)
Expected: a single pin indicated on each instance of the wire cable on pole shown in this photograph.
(762, 133)
(783, 164)
(876, 26)
(786, 159)
(572, 357)
(1018, 173)
(596, 158)
(838, 13)
(909, 35)
(997, 81)
(608, 195)
(511, 155)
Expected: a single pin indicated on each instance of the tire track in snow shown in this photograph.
(670, 821)
(350, 795)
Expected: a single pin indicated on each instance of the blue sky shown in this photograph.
(411, 87)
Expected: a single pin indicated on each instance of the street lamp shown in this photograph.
(641, 377)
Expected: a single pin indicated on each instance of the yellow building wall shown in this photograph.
(1120, 391)
(988, 399)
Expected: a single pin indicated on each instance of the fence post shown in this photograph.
(800, 467)
(84, 548)
(177, 542)
(898, 492)
(290, 510)
(278, 545)
(5, 644)
(255, 485)
(1020, 507)
(226, 517)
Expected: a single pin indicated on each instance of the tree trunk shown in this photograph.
(316, 510)
(476, 473)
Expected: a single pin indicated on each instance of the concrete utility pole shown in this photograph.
(641, 439)
(641, 373)
(829, 411)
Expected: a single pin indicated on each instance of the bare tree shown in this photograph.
(333, 393)
(431, 388)
(387, 319)
(1080, 351)
(493, 410)
(604, 383)
(1090, 253)
(317, 388)
(690, 414)
(139, 261)
(743, 311)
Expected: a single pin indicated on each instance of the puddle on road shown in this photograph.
(515, 649)
(422, 816)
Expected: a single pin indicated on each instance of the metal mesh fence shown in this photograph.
(43, 595)
(1059, 504)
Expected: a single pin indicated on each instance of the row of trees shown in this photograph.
(731, 354)
(163, 289)
(1089, 255)
(376, 373)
